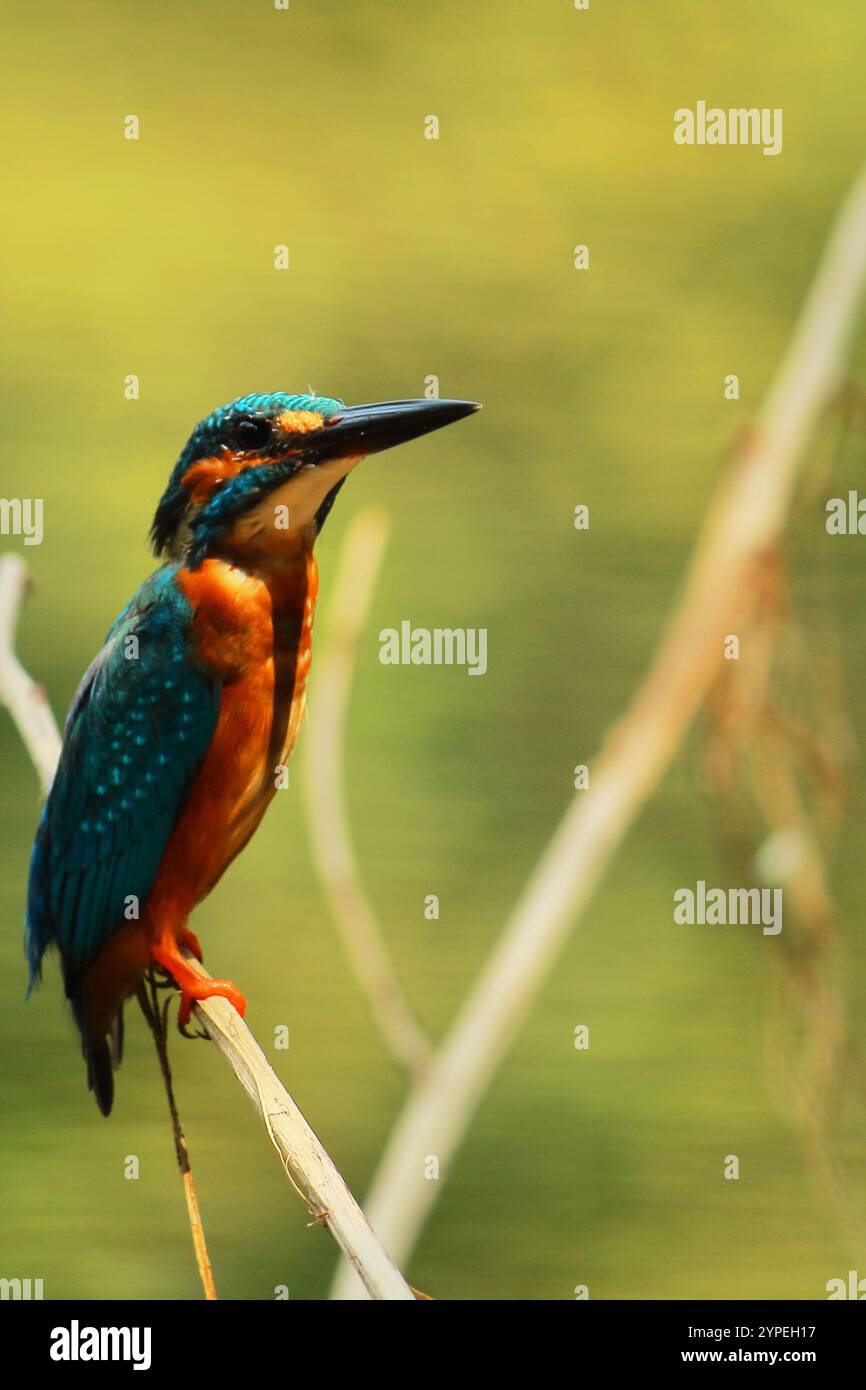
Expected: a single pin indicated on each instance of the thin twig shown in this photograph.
(741, 528)
(306, 1161)
(360, 558)
(156, 1015)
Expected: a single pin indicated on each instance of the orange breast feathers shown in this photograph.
(255, 634)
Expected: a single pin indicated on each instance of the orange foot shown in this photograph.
(192, 986)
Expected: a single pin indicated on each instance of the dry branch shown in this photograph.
(742, 528)
(25, 700)
(308, 1166)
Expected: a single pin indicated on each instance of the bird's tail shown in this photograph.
(97, 993)
(102, 1048)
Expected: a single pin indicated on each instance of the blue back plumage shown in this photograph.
(137, 734)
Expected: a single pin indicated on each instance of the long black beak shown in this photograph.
(368, 429)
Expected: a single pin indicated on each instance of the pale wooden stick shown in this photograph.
(322, 758)
(25, 700)
(742, 526)
(307, 1164)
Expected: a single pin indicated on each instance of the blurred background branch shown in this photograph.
(780, 788)
(723, 589)
(323, 763)
(25, 700)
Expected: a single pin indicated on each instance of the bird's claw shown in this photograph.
(190, 942)
(183, 1020)
(208, 989)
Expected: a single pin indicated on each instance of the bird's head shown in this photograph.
(264, 466)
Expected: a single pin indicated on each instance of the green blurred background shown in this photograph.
(412, 257)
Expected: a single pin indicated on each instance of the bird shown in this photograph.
(180, 727)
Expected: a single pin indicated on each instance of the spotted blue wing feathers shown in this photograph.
(137, 734)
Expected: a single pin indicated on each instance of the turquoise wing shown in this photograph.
(136, 736)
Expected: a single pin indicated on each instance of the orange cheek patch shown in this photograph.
(203, 478)
(300, 421)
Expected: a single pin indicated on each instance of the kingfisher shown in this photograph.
(180, 727)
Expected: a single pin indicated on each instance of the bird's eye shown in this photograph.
(252, 433)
